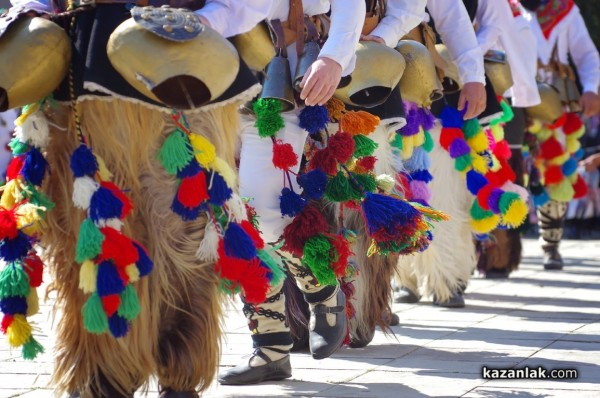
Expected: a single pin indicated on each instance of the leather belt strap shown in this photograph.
(277, 30)
(296, 20)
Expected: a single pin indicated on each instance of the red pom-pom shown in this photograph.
(367, 163)
(572, 124)
(324, 161)
(559, 122)
(504, 174)
(551, 148)
(119, 194)
(253, 234)
(8, 224)
(35, 269)
(118, 248)
(308, 223)
(229, 267)
(502, 150)
(449, 134)
(255, 282)
(403, 185)
(341, 145)
(483, 196)
(580, 187)
(193, 190)
(342, 248)
(6, 321)
(14, 167)
(553, 175)
(284, 156)
(111, 304)
(492, 179)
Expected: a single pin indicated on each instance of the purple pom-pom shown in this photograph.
(458, 148)
(420, 190)
(412, 123)
(475, 181)
(313, 118)
(83, 162)
(494, 200)
(427, 119)
(313, 184)
(291, 203)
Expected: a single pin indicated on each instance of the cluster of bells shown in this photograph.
(189, 65)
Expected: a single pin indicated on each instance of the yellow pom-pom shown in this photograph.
(480, 164)
(559, 160)
(573, 145)
(19, 331)
(408, 146)
(495, 164)
(11, 195)
(485, 225)
(222, 167)
(479, 142)
(573, 177)
(133, 273)
(203, 149)
(87, 276)
(544, 134)
(103, 171)
(419, 138)
(497, 132)
(29, 219)
(535, 127)
(33, 302)
(515, 214)
(561, 192)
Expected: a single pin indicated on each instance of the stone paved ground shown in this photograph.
(535, 318)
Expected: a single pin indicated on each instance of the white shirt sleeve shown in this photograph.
(37, 5)
(584, 53)
(401, 16)
(492, 16)
(454, 26)
(347, 19)
(232, 17)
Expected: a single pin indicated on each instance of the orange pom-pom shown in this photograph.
(359, 122)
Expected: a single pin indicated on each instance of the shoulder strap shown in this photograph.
(296, 20)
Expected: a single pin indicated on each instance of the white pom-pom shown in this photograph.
(113, 223)
(510, 186)
(208, 249)
(83, 189)
(386, 183)
(237, 208)
(34, 130)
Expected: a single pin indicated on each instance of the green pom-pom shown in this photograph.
(18, 147)
(130, 304)
(338, 188)
(364, 146)
(176, 152)
(38, 199)
(94, 317)
(317, 257)
(463, 162)
(506, 201)
(14, 282)
(471, 128)
(31, 349)
(507, 112)
(89, 243)
(428, 144)
(478, 213)
(397, 142)
(268, 116)
(367, 182)
(277, 274)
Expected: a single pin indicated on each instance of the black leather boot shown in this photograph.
(552, 259)
(406, 296)
(247, 374)
(325, 339)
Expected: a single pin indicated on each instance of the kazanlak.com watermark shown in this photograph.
(532, 373)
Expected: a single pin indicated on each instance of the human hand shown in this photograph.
(320, 81)
(473, 97)
(376, 39)
(591, 163)
(590, 104)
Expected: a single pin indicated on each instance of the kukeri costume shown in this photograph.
(149, 100)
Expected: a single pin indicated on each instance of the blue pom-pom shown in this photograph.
(421, 175)
(313, 118)
(569, 167)
(475, 181)
(108, 280)
(451, 117)
(541, 199)
(16, 248)
(190, 170)
(34, 167)
(291, 203)
(105, 205)
(13, 305)
(218, 190)
(186, 213)
(383, 211)
(83, 162)
(144, 263)
(238, 244)
(579, 154)
(118, 325)
(313, 184)
(420, 160)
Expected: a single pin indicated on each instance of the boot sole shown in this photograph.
(275, 376)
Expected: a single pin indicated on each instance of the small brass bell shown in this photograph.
(310, 55)
(419, 83)
(278, 83)
(500, 75)
(551, 107)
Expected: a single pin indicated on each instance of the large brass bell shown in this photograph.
(500, 75)
(182, 74)
(452, 81)
(255, 47)
(278, 83)
(574, 95)
(309, 56)
(378, 71)
(419, 83)
(34, 58)
(551, 108)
